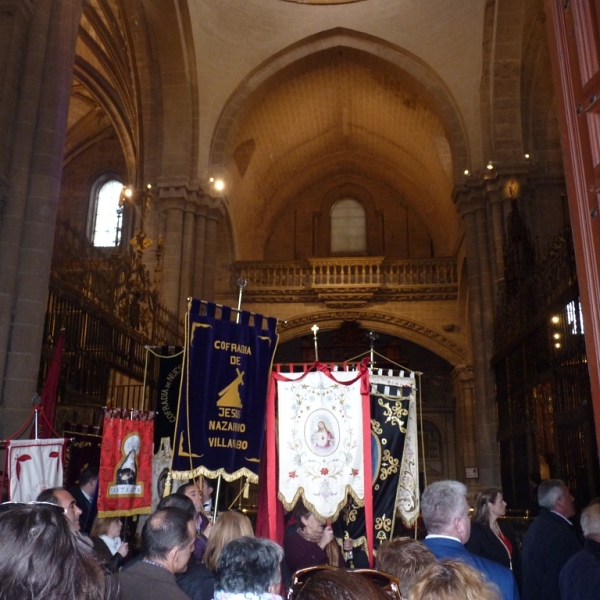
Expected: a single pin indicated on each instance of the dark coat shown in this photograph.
(111, 562)
(144, 581)
(548, 544)
(197, 581)
(89, 510)
(580, 577)
(301, 553)
(501, 576)
(484, 542)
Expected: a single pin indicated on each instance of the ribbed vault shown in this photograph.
(337, 112)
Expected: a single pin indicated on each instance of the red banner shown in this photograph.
(126, 467)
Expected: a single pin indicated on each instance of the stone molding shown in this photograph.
(385, 322)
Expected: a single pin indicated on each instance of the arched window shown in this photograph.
(348, 227)
(105, 215)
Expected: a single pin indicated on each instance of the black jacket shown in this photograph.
(580, 577)
(548, 544)
(484, 542)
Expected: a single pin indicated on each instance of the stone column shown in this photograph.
(210, 255)
(187, 256)
(463, 384)
(28, 223)
(172, 205)
(471, 205)
(199, 252)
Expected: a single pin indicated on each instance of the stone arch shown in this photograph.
(395, 325)
(380, 50)
(501, 82)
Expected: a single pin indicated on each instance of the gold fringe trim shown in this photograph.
(124, 513)
(191, 474)
(300, 493)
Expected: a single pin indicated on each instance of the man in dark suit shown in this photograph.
(580, 577)
(446, 514)
(167, 543)
(549, 542)
(85, 498)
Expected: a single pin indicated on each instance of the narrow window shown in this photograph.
(106, 214)
(348, 228)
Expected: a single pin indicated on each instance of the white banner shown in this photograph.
(320, 442)
(34, 466)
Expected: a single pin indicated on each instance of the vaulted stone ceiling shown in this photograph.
(336, 113)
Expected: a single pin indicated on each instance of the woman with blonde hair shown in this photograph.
(198, 582)
(452, 580)
(488, 538)
(230, 525)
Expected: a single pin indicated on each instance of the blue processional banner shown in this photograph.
(222, 406)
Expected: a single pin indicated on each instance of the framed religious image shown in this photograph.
(472, 472)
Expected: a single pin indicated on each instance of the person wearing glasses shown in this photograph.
(338, 584)
(249, 569)
(41, 558)
(312, 544)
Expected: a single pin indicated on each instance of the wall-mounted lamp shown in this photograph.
(526, 156)
(217, 184)
(491, 164)
(467, 172)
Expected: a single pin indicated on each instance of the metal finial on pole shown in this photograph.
(241, 283)
(314, 329)
(36, 401)
(373, 337)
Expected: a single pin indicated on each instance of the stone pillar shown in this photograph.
(187, 256)
(497, 250)
(210, 255)
(463, 384)
(471, 205)
(28, 222)
(199, 252)
(172, 204)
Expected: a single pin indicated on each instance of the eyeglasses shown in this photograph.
(11, 505)
(387, 582)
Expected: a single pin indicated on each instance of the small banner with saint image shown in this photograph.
(125, 483)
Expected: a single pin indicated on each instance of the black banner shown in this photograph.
(169, 380)
(389, 417)
(221, 416)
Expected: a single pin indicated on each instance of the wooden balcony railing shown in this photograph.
(349, 280)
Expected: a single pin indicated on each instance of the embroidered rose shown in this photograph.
(292, 474)
(324, 471)
(354, 472)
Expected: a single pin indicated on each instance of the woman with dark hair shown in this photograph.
(40, 558)
(106, 537)
(487, 538)
(312, 544)
(337, 584)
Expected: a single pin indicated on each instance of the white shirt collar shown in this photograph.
(432, 536)
(562, 516)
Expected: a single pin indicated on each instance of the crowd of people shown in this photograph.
(47, 554)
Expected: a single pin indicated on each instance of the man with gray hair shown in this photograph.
(248, 568)
(446, 514)
(549, 542)
(580, 577)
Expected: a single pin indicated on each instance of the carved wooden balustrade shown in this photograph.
(349, 281)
